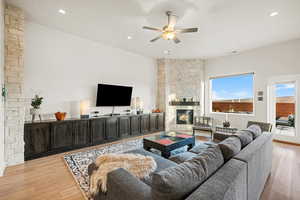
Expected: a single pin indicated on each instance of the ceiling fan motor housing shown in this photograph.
(168, 32)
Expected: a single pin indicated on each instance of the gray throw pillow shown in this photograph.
(245, 136)
(175, 183)
(199, 148)
(182, 157)
(255, 130)
(230, 147)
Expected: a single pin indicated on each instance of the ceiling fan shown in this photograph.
(169, 32)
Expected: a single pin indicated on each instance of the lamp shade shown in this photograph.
(133, 103)
(138, 102)
(84, 107)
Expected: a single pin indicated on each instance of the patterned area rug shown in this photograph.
(78, 162)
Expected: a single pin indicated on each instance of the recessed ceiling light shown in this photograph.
(272, 14)
(61, 11)
(167, 52)
(129, 37)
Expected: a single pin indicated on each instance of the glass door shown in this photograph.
(285, 111)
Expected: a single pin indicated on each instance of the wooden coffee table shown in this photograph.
(168, 141)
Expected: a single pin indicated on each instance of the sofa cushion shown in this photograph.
(199, 148)
(178, 182)
(230, 147)
(182, 157)
(255, 130)
(161, 163)
(245, 136)
(228, 183)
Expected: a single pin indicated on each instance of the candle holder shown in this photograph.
(84, 109)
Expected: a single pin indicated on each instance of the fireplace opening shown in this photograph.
(184, 116)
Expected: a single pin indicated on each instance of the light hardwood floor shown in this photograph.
(49, 178)
(284, 182)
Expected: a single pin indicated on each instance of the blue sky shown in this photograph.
(241, 87)
(283, 90)
(233, 87)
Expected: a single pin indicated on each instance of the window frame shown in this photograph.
(229, 113)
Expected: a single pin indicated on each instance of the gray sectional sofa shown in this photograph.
(235, 169)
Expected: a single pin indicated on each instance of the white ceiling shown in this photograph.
(224, 25)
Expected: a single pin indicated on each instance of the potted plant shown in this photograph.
(36, 103)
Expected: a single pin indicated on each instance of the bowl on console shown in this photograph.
(60, 116)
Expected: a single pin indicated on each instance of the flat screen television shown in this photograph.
(113, 95)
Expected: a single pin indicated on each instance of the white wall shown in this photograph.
(2, 163)
(65, 69)
(279, 59)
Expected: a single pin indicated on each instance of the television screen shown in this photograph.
(113, 95)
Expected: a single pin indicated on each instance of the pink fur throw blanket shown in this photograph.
(138, 165)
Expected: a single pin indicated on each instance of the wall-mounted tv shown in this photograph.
(113, 95)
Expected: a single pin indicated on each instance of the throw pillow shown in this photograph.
(255, 130)
(230, 147)
(245, 136)
(201, 147)
(182, 157)
(176, 183)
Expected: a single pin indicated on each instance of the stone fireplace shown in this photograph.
(179, 79)
(184, 116)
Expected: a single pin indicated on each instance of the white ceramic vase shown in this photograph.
(34, 111)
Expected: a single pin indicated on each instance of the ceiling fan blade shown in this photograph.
(176, 40)
(172, 19)
(154, 39)
(187, 30)
(151, 28)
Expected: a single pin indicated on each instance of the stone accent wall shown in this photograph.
(2, 160)
(179, 78)
(161, 85)
(14, 72)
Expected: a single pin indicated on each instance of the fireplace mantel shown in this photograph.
(184, 103)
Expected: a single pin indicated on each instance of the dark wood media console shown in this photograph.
(52, 137)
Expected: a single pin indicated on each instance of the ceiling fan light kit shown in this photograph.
(168, 35)
(169, 32)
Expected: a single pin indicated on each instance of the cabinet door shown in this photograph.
(81, 131)
(112, 128)
(61, 135)
(145, 123)
(98, 131)
(135, 125)
(124, 126)
(153, 122)
(161, 121)
(37, 139)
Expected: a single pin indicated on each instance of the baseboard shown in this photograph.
(2, 169)
(285, 142)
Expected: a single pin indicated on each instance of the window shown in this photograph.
(232, 94)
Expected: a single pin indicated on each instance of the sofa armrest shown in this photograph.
(122, 185)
